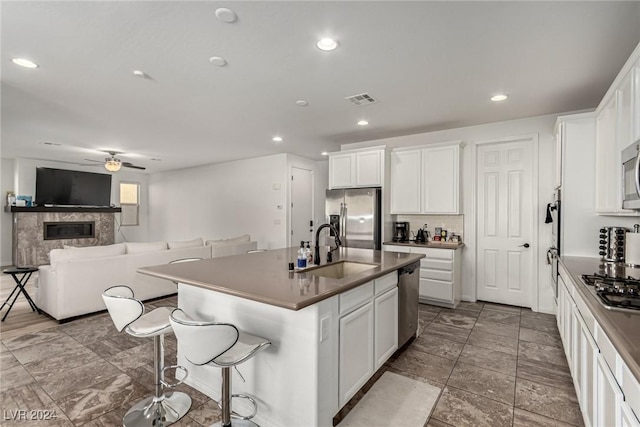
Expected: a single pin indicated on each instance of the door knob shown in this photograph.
(526, 245)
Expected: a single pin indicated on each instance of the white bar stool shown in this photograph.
(163, 408)
(221, 345)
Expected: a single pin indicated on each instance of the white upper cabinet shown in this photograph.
(636, 102)
(351, 169)
(406, 177)
(607, 160)
(426, 180)
(342, 168)
(440, 178)
(617, 127)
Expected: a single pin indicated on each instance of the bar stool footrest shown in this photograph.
(237, 416)
(177, 368)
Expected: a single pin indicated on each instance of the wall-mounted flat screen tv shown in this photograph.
(72, 188)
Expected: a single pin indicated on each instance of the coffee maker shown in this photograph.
(401, 231)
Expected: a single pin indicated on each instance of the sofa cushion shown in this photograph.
(186, 243)
(140, 247)
(70, 252)
(233, 241)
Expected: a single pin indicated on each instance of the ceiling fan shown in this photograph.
(113, 164)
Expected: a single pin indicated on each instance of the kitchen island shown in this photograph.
(329, 334)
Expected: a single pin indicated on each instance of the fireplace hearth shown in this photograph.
(38, 230)
(69, 230)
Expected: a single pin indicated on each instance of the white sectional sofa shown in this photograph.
(73, 282)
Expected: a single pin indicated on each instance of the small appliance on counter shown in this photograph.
(421, 236)
(612, 244)
(401, 231)
(632, 247)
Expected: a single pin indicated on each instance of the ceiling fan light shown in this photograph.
(113, 165)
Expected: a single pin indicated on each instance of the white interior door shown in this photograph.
(301, 206)
(505, 250)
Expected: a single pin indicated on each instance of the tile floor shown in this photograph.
(496, 366)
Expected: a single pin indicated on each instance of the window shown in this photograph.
(130, 203)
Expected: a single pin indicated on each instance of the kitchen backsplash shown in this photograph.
(452, 223)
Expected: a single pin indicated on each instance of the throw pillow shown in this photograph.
(245, 238)
(141, 247)
(71, 252)
(186, 243)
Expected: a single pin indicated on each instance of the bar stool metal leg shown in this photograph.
(164, 408)
(225, 405)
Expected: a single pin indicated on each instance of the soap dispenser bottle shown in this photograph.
(309, 254)
(302, 256)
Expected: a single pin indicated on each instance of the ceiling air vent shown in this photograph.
(361, 99)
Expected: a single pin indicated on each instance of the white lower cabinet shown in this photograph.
(368, 329)
(356, 351)
(628, 418)
(609, 396)
(440, 274)
(606, 399)
(385, 326)
(588, 353)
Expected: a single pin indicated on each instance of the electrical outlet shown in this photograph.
(324, 329)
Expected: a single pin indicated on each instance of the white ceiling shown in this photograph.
(431, 65)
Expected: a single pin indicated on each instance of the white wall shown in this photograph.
(224, 200)
(6, 226)
(541, 126)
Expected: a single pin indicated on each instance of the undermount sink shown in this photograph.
(340, 270)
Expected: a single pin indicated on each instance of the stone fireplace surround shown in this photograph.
(29, 244)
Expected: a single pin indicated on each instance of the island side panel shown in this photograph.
(295, 380)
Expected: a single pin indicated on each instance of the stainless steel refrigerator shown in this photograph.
(356, 214)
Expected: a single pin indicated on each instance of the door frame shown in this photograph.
(290, 198)
(535, 199)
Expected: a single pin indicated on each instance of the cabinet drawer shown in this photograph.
(436, 264)
(436, 289)
(607, 349)
(432, 253)
(403, 249)
(589, 321)
(355, 297)
(630, 389)
(439, 253)
(386, 282)
(426, 273)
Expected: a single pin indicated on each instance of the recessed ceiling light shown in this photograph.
(226, 15)
(327, 43)
(363, 123)
(277, 139)
(141, 74)
(216, 60)
(301, 103)
(324, 153)
(24, 63)
(499, 97)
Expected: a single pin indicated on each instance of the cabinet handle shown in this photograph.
(526, 245)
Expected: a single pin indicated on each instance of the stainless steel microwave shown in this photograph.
(631, 176)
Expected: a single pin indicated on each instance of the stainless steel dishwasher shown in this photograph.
(408, 283)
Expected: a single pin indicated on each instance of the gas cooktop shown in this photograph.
(615, 293)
